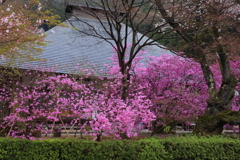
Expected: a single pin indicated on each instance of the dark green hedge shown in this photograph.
(202, 148)
(177, 148)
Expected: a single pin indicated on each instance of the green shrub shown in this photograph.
(173, 148)
(207, 148)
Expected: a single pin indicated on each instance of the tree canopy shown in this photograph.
(210, 35)
(20, 36)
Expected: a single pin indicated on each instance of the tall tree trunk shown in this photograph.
(125, 87)
(125, 83)
(220, 101)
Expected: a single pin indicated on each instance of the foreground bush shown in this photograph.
(145, 149)
(199, 148)
(80, 149)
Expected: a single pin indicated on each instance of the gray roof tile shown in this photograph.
(67, 48)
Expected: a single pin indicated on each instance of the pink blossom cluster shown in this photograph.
(164, 89)
(176, 88)
(50, 100)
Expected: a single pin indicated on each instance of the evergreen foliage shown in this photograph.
(172, 148)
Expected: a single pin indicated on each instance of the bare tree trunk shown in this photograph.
(99, 137)
(125, 86)
(156, 129)
(220, 101)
